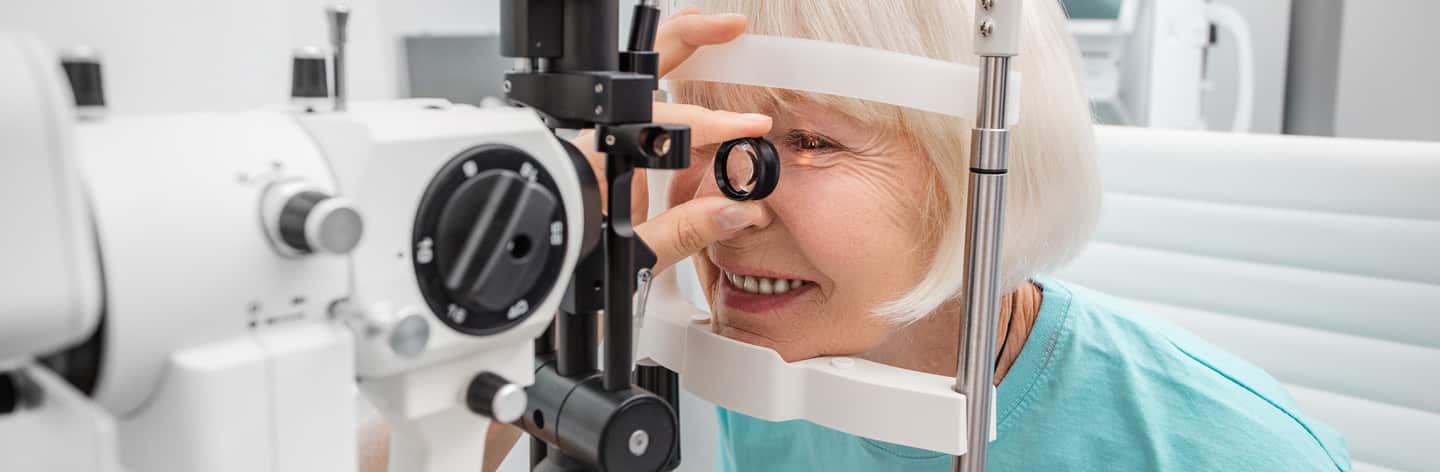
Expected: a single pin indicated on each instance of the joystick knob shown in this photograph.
(493, 396)
(303, 220)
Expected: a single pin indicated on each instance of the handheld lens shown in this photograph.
(747, 168)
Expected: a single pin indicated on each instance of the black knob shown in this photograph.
(308, 76)
(493, 240)
(493, 396)
(312, 221)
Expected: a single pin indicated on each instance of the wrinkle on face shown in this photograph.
(849, 220)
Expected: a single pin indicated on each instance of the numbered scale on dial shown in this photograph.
(489, 239)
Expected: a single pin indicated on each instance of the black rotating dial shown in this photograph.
(489, 239)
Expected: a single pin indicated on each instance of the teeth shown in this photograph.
(763, 285)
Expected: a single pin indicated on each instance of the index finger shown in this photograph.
(677, 38)
(712, 126)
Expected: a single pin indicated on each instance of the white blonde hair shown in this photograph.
(1053, 194)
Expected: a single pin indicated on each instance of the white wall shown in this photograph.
(211, 55)
(1389, 84)
(437, 17)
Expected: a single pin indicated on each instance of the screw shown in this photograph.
(599, 88)
(987, 28)
(639, 442)
(987, 4)
(507, 86)
(599, 109)
(610, 140)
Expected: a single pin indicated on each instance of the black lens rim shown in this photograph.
(766, 164)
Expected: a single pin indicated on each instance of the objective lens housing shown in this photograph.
(747, 168)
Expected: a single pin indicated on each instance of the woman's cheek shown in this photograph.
(846, 228)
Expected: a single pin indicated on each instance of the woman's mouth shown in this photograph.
(758, 294)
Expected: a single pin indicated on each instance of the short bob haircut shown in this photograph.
(1053, 195)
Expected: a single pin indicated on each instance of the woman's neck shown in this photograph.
(931, 344)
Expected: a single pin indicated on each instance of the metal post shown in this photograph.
(997, 40)
(339, 16)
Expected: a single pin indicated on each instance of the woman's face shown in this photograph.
(847, 219)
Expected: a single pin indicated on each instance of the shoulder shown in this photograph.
(1132, 376)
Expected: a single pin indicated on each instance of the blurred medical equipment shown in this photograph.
(225, 303)
(1332, 292)
(240, 304)
(1145, 60)
(51, 293)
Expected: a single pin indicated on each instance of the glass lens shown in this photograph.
(740, 167)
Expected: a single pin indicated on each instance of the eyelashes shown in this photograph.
(808, 142)
(798, 142)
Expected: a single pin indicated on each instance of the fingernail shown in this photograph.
(754, 117)
(735, 217)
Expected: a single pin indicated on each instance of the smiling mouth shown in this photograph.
(763, 285)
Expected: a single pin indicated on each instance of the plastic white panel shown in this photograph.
(1368, 467)
(1379, 178)
(1352, 365)
(1405, 249)
(1391, 309)
(823, 390)
(1377, 433)
(1317, 259)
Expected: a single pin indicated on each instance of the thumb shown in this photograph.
(689, 228)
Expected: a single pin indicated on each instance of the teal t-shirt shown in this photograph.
(1098, 387)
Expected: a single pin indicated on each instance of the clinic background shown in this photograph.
(1365, 72)
(1359, 69)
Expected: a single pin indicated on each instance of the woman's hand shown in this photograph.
(690, 227)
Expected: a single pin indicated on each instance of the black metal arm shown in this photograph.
(571, 73)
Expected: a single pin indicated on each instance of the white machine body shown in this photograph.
(54, 300)
(221, 349)
(50, 286)
(384, 156)
(218, 352)
(1145, 62)
(847, 394)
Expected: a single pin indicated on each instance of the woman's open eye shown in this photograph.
(809, 142)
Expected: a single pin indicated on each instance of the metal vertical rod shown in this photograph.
(985, 217)
(339, 16)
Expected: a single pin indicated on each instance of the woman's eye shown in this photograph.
(809, 142)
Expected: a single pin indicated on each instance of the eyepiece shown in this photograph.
(747, 168)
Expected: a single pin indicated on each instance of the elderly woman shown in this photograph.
(858, 253)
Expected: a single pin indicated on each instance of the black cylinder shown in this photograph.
(82, 67)
(591, 34)
(545, 398)
(619, 430)
(643, 25)
(579, 332)
(664, 383)
(308, 76)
